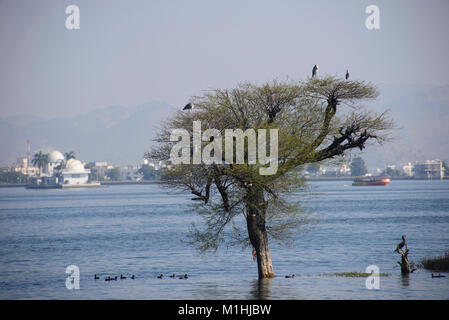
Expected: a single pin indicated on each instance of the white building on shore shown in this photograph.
(61, 173)
(23, 166)
(429, 169)
(74, 173)
(409, 169)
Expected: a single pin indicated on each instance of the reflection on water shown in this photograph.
(261, 289)
(405, 280)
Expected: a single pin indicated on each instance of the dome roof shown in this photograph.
(74, 165)
(55, 156)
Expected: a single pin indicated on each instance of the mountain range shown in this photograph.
(116, 134)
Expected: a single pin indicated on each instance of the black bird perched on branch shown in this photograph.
(401, 244)
(314, 70)
(188, 106)
(347, 74)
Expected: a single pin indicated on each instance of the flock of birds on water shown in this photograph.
(122, 277)
(160, 276)
(190, 105)
(186, 276)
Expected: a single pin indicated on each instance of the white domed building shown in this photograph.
(61, 173)
(74, 173)
(55, 159)
(55, 156)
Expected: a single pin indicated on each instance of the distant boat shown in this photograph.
(371, 181)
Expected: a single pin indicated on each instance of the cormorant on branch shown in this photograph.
(401, 244)
(314, 70)
(188, 106)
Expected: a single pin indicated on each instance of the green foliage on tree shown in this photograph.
(89, 165)
(393, 172)
(94, 175)
(148, 172)
(317, 119)
(330, 173)
(12, 177)
(358, 167)
(40, 160)
(114, 174)
(69, 155)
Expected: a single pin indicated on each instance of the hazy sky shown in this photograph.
(131, 52)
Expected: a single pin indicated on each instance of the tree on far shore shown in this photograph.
(148, 172)
(393, 172)
(12, 177)
(69, 155)
(114, 174)
(40, 160)
(238, 204)
(446, 168)
(358, 167)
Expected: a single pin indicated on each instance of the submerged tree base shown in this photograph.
(268, 275)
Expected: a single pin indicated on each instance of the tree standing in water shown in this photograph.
(238, 204)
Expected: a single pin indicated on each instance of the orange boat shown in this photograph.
(371, 181)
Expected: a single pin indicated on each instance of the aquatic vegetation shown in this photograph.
(439, 263)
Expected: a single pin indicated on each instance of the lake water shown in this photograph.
(139, 229)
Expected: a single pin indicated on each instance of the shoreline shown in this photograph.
(352, 178)
(101, 183)
(116, 183)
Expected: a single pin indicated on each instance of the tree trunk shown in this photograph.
(257, 232)
(405, 264)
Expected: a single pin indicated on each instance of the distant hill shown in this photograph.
(121, 135)
(116, 134)
(422, 117)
